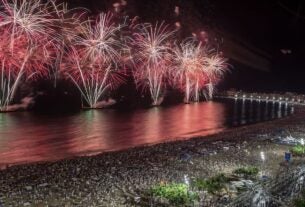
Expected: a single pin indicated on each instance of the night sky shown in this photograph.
(276, 27)
(269, 28)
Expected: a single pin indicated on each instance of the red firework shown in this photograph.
(152, 58)
(26, 45)
(195, 68)
(93, 63)
(31, 60)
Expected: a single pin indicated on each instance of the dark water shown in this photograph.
(27, 137)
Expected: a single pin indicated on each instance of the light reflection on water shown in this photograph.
(26, 137)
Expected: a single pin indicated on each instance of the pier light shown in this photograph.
(263, 156)
(186, 180)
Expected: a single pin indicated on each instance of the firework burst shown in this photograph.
(216, 66)
(152, 58)
(30, 18)
(25, 46)
(100, 38)
(93, 62)
(195, 68)
(68, 24)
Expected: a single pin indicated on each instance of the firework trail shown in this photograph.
(216, 66)
(93, 62)
(25, 46)
(68, 24)
(189, 68)
(195, 69)
(152, 58)
(101, 39)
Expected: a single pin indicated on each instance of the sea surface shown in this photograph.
(28, 137)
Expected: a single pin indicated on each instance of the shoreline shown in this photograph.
(116, 178)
